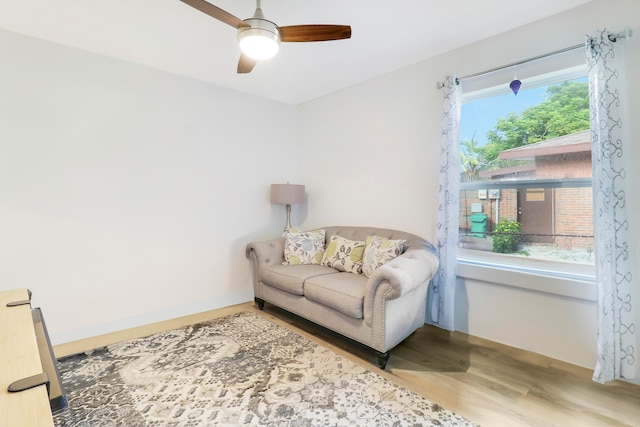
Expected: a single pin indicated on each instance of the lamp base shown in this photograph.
(288, 226)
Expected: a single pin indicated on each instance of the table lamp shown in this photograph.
(287, 194)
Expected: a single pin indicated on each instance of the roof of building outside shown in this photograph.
(512, 170)
(573, 143)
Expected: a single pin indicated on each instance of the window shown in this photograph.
(525, 164)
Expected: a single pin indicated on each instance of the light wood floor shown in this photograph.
(488, 383)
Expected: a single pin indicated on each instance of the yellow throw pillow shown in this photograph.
(379, 250)
(303, 247)
(344, 254)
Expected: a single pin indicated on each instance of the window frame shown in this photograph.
(566, 279)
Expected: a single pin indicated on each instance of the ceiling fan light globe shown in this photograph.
(261, 40)
(259, 47)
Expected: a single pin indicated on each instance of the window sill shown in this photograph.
(556, 278)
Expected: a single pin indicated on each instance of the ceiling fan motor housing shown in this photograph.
(260, 40)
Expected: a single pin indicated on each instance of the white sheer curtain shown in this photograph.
(443, 289)
(617, 315)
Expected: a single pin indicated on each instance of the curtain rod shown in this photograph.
(613, 37)
(524, 61)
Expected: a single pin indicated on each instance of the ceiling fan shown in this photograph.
(260, 39)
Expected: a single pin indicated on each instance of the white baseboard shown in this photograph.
(146, 321)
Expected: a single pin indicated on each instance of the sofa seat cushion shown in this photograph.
(291, 278)
(343, 292)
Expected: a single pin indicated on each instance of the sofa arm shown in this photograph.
(264, 254)
(267, 252)
(403, 274)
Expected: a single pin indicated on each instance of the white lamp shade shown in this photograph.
(287, 194)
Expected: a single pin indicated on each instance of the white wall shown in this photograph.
(367, 154)
(127, 194)
(370, 153)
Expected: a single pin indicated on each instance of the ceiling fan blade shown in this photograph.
(216, 12)
(314, 33)
(246, 64)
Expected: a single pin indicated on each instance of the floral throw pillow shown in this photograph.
(303, 247)
(344, 255)
(379, 250)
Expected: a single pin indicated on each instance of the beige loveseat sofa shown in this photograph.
(379, 310)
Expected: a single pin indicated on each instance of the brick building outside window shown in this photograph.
(550, 195)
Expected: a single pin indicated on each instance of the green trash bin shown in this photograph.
(478, 224)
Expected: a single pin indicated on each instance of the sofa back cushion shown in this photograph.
(361, 233)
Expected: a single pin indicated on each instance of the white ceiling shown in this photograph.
(172, 36)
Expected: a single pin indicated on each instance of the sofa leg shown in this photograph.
(383, 358)
(260, 303)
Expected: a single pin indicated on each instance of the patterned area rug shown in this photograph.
(234, 371)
